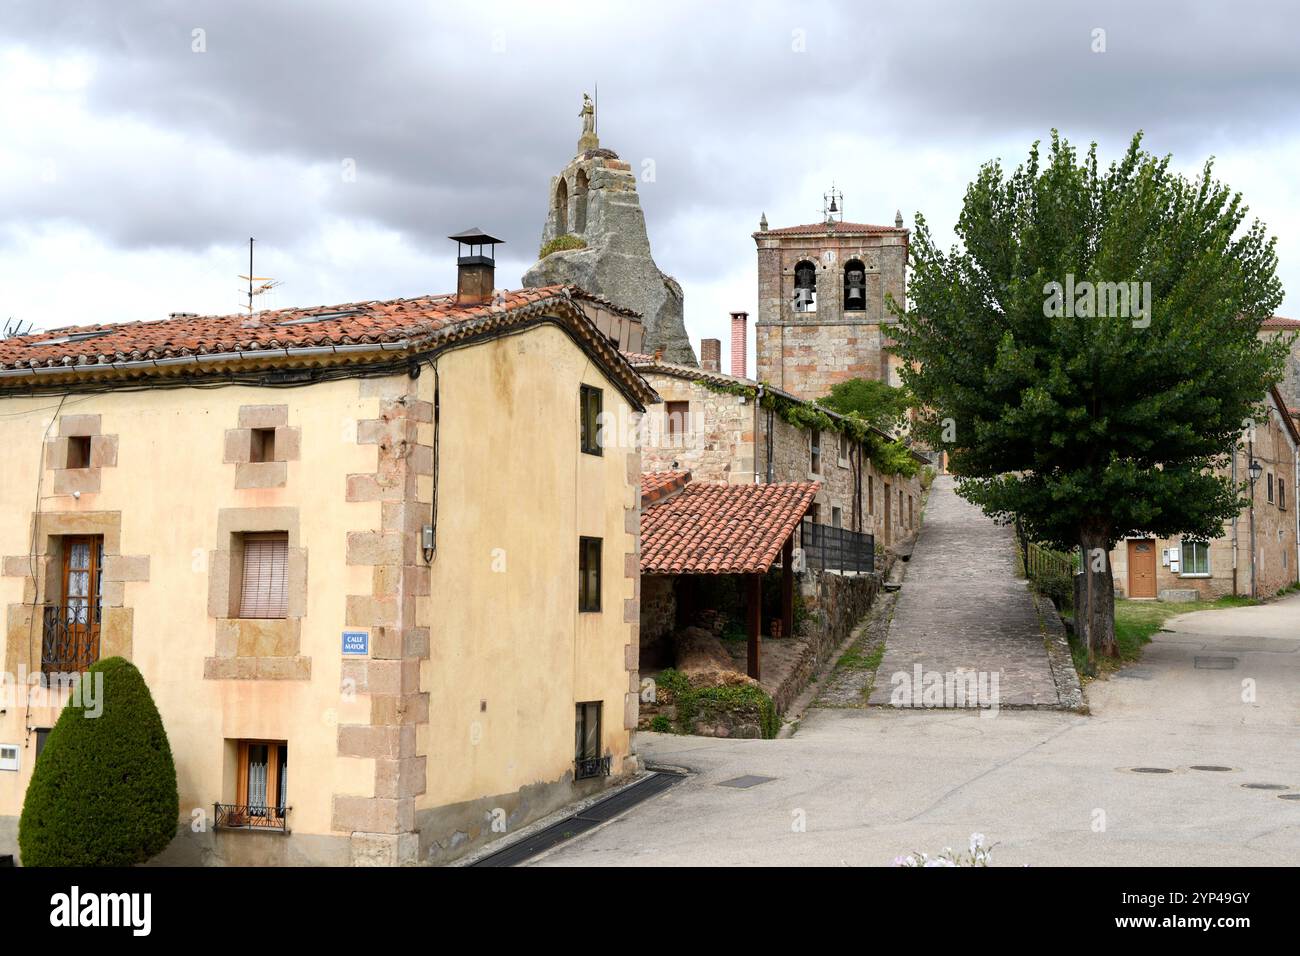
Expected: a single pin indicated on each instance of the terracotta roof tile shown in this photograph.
(655, 486)
(278, 334)
(839, 228)
(714, 528)
(1277, 322)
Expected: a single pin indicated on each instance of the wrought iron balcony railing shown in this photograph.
(69, 638)
(592, 767)
(231, 816)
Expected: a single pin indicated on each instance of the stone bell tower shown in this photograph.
(595, 237)
(822, 313)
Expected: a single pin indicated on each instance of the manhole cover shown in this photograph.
(1210, 767)
(745, 782)
(1266, 786)
(1151, 770)
(1288, 796)
(1136, 673)
(1215, 663)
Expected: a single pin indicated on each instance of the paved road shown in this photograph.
(1049, 787)
(962, 608)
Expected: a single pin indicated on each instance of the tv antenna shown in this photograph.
(267, 283)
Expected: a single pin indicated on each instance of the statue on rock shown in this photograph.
(595, 237)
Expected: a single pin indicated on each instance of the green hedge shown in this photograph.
(692, 703)
(103, 792)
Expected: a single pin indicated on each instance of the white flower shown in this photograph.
(976, 842)
(940, 862)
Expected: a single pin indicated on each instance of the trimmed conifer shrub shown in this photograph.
(103, 792)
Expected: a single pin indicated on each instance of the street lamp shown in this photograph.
(1253, 470)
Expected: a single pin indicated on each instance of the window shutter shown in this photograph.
(266, 570)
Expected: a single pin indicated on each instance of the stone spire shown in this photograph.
(762, 223)
(898, 219)
(595, 237)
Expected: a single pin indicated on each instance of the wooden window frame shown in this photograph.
(591, 401)
(589, 603)
(815, 451)
(1281, 493)
(276, 749)
(677, 427)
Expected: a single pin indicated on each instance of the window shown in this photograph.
(837, 517)
(1270, 487)
(909, 511)
(1196, 558)
(855, 286)
(871, 494)
(592, 400)
(42, 736)
(262, 787)
(589, 574)
(263, 445)
(79, 451)
(1281, 493)
(678, 417)
(8, 756)
(586, 742)
(264, 591)
(846, 445)
(815, 440)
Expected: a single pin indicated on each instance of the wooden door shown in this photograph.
(74, 644)
(1142, 569)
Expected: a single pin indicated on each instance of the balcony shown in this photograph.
(69, 638)
(589, 767)
(231, 816)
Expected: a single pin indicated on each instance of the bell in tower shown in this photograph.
(855, 286)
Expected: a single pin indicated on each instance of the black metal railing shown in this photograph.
(837, 549)
(592, 767)
(231, 816)
(69, 638)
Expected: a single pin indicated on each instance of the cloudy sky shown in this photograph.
(145, 142)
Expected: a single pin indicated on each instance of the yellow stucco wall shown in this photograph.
(512, 478)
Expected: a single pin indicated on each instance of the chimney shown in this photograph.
(739, 333)
(475, 269)
(711, 355)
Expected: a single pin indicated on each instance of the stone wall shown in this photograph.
(658, 619)
(717, 444)
(836, 603)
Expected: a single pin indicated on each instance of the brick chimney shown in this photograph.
(739, 334)
(711, 355)
(475, 269)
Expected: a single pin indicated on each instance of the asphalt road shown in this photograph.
(861, 787)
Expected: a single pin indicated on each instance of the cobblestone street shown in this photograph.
(962, 608)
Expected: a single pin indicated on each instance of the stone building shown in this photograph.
(705, 428)
(1289, 386)
(307, 528)
(822, 302)
(1173, 568)
(593, 203)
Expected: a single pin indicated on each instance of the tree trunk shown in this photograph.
(1095, 621)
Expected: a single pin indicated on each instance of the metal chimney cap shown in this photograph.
(476, 237)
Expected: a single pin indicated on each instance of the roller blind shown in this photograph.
(266, 569)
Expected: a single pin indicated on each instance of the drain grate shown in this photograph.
(1215, 663)
(1288, 796)
(745, 782)
(1265, 786)
(1151, 770)
(569, 827)
(1212, 767)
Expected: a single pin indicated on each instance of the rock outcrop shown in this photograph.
(596, 213)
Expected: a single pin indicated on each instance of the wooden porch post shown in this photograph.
(755, 610)
(787, 588)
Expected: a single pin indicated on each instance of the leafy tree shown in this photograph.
(877, 403)
(1089, 421)
(104, 790)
